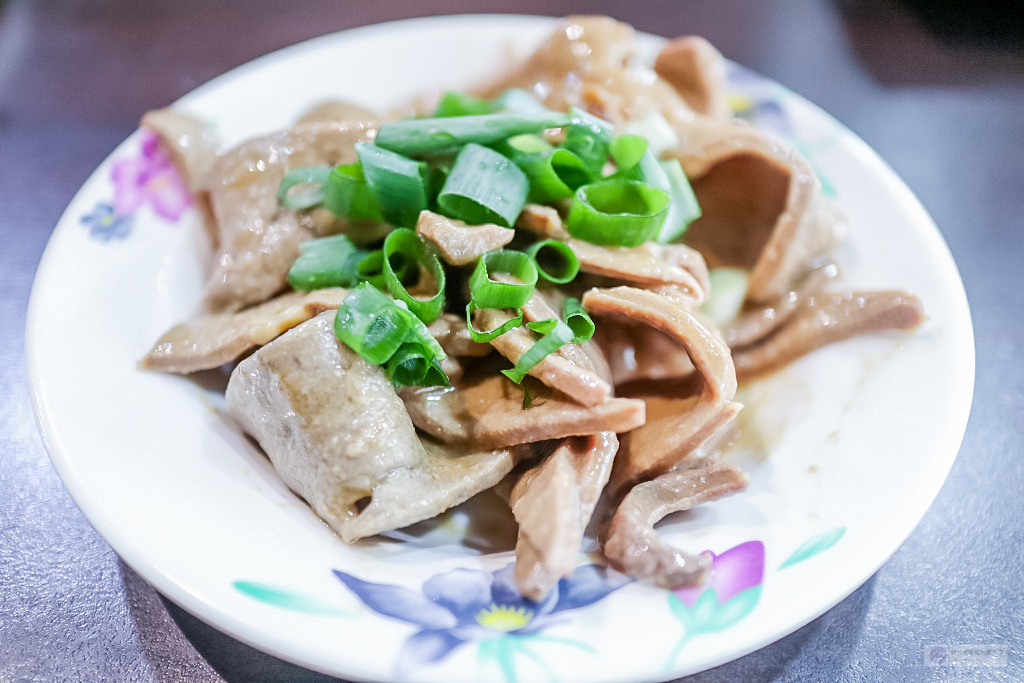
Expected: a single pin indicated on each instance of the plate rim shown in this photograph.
(225, 621)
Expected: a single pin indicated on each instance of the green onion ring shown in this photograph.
(489, 293)
(307, 175)
(618, 212)
(490, 335)
(407, 244)
(578, 320)
(555, 261)
(548, 344)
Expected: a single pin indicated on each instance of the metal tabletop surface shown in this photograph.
(936, 88)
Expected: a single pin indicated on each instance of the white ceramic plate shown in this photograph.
(846, 448)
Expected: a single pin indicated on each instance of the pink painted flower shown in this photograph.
(732, 572)
(150, 177)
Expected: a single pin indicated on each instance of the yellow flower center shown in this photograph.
(504, 618)
(107, 220)
(740, 102)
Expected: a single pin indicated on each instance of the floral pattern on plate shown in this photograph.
(148, 177)
(463, 606)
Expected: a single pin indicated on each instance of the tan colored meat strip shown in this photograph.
(213, 340)
(696, 69)
(459, 243)
(553, 503)
(827, 318)
(488, 413)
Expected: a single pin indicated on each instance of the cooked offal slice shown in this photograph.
(663, 443)
(696, 69)
(553, 503)
(575, 379)
(210, 341)
(258, 241)
(459, 243)
(192, 146)
(630, 541)
(638, 352)
(340, 437)
(489, 413)
(648, 265)
(755, 322)
(826, 318)
(452, 334)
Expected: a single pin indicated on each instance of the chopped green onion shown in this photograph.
(384, 332)
(578, 320)
(371, 324)
(489, 335)
(432, 136)
(307, 175)
(525, 144)
(460, 104)
(489, 293)
(555, 261)
(618, 212)
(549, 343)
(399, 183)
(326, 262)
(554, 174)
(371, 269)
(348, 195)
(484, 187)
(684, 208)
(543, 326)
(403, 255)
(660, 135)
(518, 100)
(588, 137)
(627, 150)
(728, 289)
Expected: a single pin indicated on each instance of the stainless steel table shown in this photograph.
(946, 112)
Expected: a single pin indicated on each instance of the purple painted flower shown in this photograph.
(150, 177)
(468, 605)
(732, 572)
(105, 225)
(731, 592)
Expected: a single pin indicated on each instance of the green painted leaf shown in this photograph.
(814, 545)
(297, 602)
(739, 606)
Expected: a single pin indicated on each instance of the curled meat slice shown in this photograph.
(665, 442)
(338, 110)
(636, 352)
(649, 264)
(630, 541)
(757, 321)
(553, 503)
(696, 69)
(826, 318)
(340, 437)
(568, 371)
(258, 242)
(488, 413)
(459, 243)
(210, 341)
(763, 206)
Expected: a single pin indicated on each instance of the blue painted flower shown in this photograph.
(758, 100)
(468, 605)
(105, 225)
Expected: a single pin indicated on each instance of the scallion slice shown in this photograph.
(728, 289)
(399, 183)
(489, 335)
(543, 326)
(348, 195)
(578, 320)
(460, 104)
(484, 187)
(617, 212)
(489, 293)
(403, 256)
(307, 175)
(371, 324)
(684, 208)
(588, 137)
(554, 174)
(326, 262)
(556, 262)
(438, 135)
(549, 343)
(384, 332)
(370, 268)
